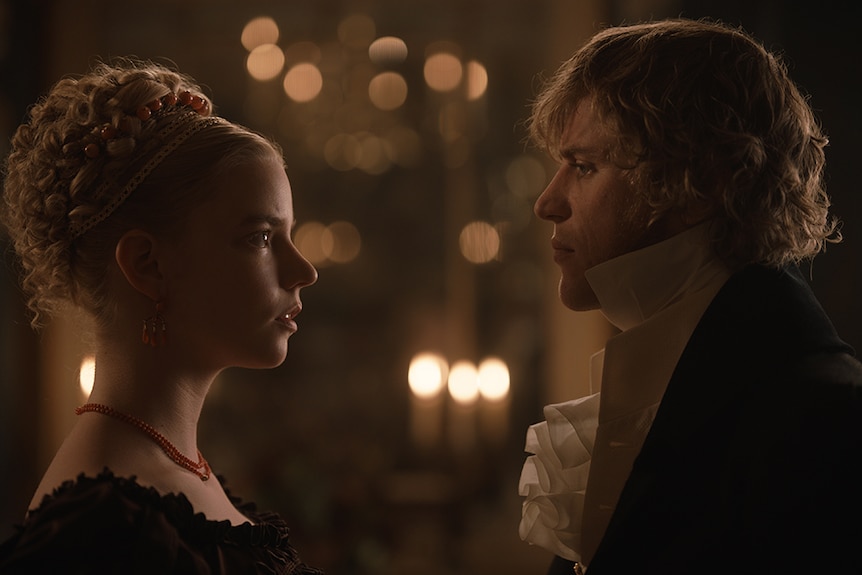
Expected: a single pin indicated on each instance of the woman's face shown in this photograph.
(234, 275)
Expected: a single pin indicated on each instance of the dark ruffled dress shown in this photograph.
(109, 524)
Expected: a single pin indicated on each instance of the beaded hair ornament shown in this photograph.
(189, 115)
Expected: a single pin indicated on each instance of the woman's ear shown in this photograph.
(137, 257)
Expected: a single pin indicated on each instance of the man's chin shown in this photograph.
(578, 297)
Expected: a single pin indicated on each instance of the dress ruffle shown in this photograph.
(114, 524)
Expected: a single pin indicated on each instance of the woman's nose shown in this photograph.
(297, 272)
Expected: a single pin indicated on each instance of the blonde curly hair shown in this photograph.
(711, 121)
(62, 209)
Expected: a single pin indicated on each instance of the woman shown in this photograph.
(172, 228)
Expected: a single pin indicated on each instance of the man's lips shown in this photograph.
(561, 250)
(557, 245)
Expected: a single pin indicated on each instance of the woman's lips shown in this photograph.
(288, 318)
(287, 322)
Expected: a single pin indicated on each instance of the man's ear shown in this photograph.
(137, 257)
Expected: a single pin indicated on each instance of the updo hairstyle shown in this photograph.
(66, 208)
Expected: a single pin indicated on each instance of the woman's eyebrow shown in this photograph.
(252, 219)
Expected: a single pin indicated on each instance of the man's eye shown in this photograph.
(581, 168)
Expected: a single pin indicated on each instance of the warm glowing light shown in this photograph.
(426, 374)
(372, 159)
(309, 240)
(387, 51)
(464, 382)
(452, 121)
(345, 242)
(403, 146)
(493, 379)
(265, 62)
(514, 213)
(443, 72)
(479, 242)
(477, 80)
(342, 152)
(87, 375)
(259, 31)
(387, 90)
(304, 51)
(525, 176)
(357, 31)
(339, 242)
(362, 150)
(303, 82)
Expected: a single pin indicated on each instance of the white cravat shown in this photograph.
(655, 296)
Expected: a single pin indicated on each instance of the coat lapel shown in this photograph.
(744, 333)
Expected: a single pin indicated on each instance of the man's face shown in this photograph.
(594, 206)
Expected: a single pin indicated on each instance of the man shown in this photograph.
(727, 435)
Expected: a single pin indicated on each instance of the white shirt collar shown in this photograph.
(656, 296)
(635, 286)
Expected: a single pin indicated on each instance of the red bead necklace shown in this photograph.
(201, 468)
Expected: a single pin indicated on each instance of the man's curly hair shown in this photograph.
(711, 120)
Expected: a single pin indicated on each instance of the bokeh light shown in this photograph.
(387, 51)
(443, 72)
(525, 176)
(361, 150)
(265, 62)
(372, 158)
(387, 90)
(346, 242)
(479, 242)
(303, 82)
(340, 242)
(464, 382)
(493, 379)
(477, 80)
(342, 152)
(259, 31)
(309, 240)
(427, 374)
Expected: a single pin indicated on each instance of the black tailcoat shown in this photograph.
(754, 461)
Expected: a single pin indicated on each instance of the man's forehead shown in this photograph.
(586, 133)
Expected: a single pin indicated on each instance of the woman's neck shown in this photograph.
(151, 385)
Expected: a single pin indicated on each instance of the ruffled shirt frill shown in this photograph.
(109, 524)
(583, 452)
(554, 479)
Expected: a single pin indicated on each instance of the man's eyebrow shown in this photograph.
(589, 153)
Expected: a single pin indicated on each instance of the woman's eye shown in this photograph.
(260, 239)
